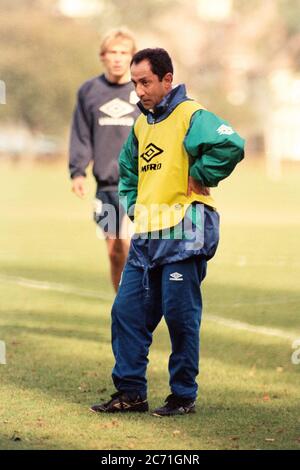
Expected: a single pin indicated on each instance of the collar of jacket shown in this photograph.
(166, 106)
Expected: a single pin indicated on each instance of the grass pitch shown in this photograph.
(55, 320)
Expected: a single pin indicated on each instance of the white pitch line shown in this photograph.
(55, 287)
(259, 302)
(237, 325)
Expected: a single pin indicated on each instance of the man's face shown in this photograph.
(117, 57)
(148, 87)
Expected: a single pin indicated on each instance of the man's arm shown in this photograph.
(214, 147)
(128, 166)
(81, 152)
(197, 187)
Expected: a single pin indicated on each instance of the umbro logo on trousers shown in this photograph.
(176, 277)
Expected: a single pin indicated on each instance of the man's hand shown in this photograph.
(197, 187)
(78, 186)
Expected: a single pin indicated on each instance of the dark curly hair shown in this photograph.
(159, 60)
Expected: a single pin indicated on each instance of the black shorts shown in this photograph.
(108, 212)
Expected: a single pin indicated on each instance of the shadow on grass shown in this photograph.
(12, 441)
(242, 426)
(34, 353)
(238, 347)
(40, 360)
(78, 325)
(265, 307)
(8, 331)
(224, 418)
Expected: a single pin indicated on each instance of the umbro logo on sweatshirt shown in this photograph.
(176, 277)
(115, 111)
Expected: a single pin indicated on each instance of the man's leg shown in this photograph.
(182, 304)
(111, 218)
(118, 247)
(135, 314)
(117, 253)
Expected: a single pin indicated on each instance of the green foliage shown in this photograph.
(136, 13)
(289, 11)
(15, 5)
(244, 6)
(44, 57)
(43, 61)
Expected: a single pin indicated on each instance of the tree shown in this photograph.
(43, 60)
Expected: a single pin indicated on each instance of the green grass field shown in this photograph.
(55, 320)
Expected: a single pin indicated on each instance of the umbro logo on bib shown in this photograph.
(152, 151)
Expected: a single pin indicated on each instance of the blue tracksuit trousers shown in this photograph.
(172, 291)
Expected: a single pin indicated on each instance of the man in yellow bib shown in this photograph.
(175, 152)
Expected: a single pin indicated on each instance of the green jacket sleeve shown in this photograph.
(128, 167)
(214, 148)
